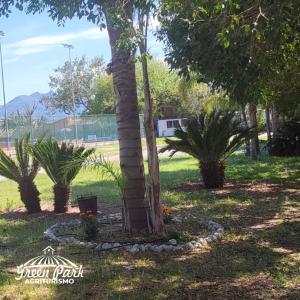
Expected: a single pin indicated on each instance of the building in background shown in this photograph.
(167, 126)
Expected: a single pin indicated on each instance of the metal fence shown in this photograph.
(90, 128)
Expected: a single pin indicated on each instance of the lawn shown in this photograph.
(258, 257)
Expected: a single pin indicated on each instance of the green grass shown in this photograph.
(257, 259)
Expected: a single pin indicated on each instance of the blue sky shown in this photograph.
(32, 49)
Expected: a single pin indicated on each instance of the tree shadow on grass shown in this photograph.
(20, 240)
(285, 235)
(266, 167)
(215, 272)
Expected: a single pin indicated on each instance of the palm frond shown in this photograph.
(56, 158)
(8, 167)
(23, 165)
(100, 164)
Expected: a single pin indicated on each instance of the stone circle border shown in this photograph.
(216, 233)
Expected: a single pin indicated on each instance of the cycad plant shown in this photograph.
(54, 158)
(210, 137)
(22, 169)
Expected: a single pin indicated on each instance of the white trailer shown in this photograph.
(167, 127)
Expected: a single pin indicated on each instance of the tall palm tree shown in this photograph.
(210, 137)
(22, 170)
(119, 23)
(53, 158)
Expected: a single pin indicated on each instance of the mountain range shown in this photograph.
(24, 102)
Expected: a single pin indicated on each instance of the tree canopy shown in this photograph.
(83, 73)
(249, 48)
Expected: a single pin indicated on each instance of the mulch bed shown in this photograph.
(47, 212)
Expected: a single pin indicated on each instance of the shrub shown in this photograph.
(54, 158)
(210, 137)
(23, 171)
(286, 142)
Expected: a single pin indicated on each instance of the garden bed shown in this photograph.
(182, 232)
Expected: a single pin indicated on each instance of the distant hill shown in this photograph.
(23, 102)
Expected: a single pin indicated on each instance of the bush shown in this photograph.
(286, 142)
(210, 137)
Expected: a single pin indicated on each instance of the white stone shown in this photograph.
(91, 245)
(116, 245)
(172, 242)
(214, 238)
(106, 246)
(208, 239)
(155, 248)
(177, 219)
(178, 248)
(133, 249)
(201, 241)
(189, 245)
(217, 235)
(147, 246)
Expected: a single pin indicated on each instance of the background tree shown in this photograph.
(24, 118)
(245, 47)
(163, 87)
(85, 74)
(103, 100)
(196, 96)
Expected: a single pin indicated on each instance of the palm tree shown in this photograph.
(119, 21)
(53, 158)
(22, 170)
(210, 137)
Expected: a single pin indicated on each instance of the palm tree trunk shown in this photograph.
(247, 126)
(275, 120)
(253, 124)
(213, 174)
(135, 206)
(153, 162)
(30, 195)
(268, 123)
(61, 197)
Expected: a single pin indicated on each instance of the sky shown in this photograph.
(32, 49)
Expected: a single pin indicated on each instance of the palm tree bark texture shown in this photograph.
(135, 205)
(62, 194)
(253, 124)
(29, 195)
(213, 173)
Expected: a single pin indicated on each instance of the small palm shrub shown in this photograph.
(54, 158)
(23, 170)
(210, 138)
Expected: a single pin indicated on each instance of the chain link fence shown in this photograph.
(89, 128)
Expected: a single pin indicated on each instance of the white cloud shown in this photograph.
(12, 60)
(25, 51)
(43, 42)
